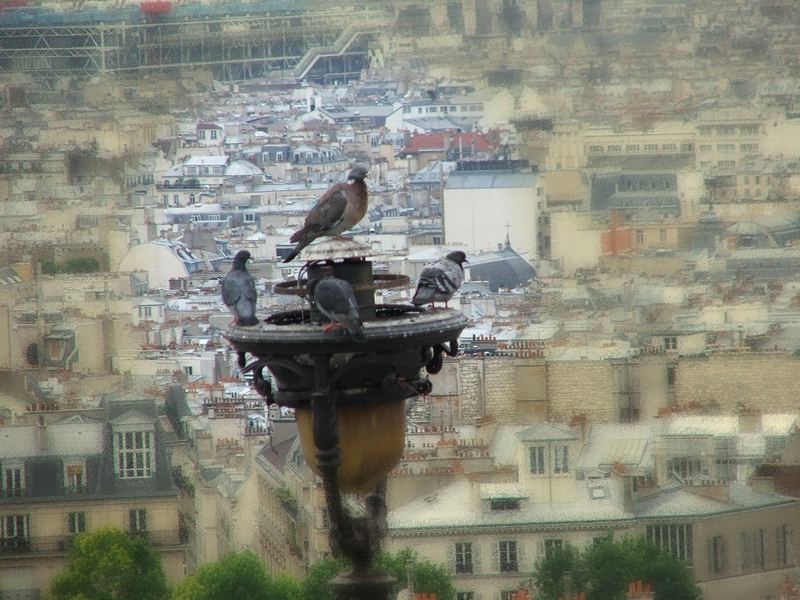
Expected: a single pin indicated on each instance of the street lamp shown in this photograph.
(349, 396)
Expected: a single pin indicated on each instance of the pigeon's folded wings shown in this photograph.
(325, 215)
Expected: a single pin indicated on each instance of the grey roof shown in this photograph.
(81, 437)
(545, 432)
(502, 269)
(695, 501)
(490, 179)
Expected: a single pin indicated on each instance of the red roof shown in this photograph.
(444, 140)
(156, 7)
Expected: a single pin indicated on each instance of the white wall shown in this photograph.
(476, 219)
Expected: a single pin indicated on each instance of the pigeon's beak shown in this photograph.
(466, 261)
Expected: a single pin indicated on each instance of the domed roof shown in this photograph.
(242, 168)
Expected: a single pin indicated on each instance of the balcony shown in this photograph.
(60, 544)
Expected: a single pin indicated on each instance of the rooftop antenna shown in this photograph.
(508, 236)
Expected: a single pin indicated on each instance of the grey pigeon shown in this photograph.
(341, 207)
(440, 280)
(335, 299)
(239, 290)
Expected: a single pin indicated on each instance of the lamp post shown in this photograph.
(349, 397)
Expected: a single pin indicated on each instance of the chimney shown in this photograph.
(618, 474)
(638, 590)
(580, 424)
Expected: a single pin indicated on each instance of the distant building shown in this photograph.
(64, 473)
(487, 201)
(571, 485)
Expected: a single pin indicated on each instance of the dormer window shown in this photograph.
(504, 504)
(134, 452)
(75, 477)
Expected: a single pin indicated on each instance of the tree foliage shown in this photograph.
(428, 577)
(605, 569)
(108, 564)
(85, 264)
(237, 576)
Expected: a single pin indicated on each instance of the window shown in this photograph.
(727, 148)
(675, 539)
(504, 504)
(749, 147)
(15, 531)
(214, 133)
(551, 546)
(134, 454)
(537, 460)
(632, 148)
(508, 594)
(561, 459)
(76, 523)
(595, 148)
(76, 479)
(716, 557)
(669, 147)
(783, 544)
(745, 552)
(138, 521)
(614, 148)
(687, 147)
(662, 235)
(651, 147)
(671, 375)
(759, 549)
(749, 129)
(249, 217)
(508, 557)
(705, 147)
(639, 236)
(203, 170)
(188, 370)
(465, 595)
(684, 466)
(13, 480)
(464, 558)
(670, 341)
(726, 163)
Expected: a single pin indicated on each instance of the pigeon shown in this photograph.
(239, 291)
(440, 280)
(337, 210)
(334, 298)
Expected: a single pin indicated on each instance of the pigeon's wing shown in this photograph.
(238, 285)
(326, 214)
(438, 281)
(336, 298)
(230, 290)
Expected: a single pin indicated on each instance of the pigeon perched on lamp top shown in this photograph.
(239, 291)
(440, 280)
(341, 207)
(334, 298)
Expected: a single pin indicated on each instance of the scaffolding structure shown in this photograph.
(314, 44)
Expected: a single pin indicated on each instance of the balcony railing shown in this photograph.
(63, 543)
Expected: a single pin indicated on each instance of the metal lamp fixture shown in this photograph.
(349, 395)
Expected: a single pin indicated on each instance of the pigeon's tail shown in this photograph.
(356, 328)
(297, 249)
(248, 321)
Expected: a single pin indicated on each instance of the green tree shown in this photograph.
(238, 576)
(108, 564)
(315, 585)
(606, 568)
(554, 568)
(428, 577)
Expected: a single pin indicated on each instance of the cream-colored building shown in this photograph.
(573, 485)
(65, 472)
(482, 208)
